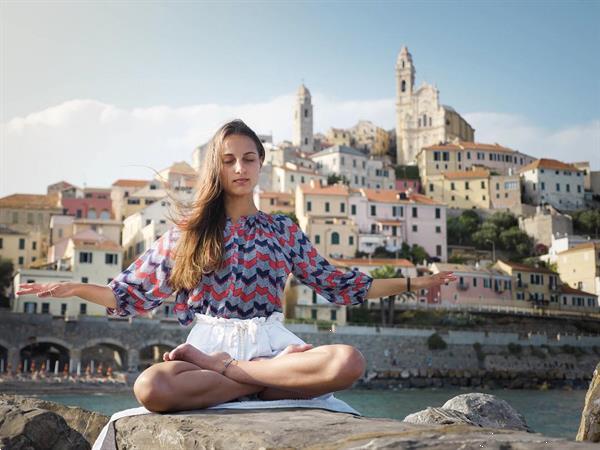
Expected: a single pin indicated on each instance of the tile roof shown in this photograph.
(336, 189)
(525, 268)
(30, 201)
(463, 145)
(339, 149)
(372, 262)
(131, 183)
(394, 196)
(546, 163)
(591, 245)
(566, 289)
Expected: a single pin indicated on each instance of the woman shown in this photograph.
(228, 263)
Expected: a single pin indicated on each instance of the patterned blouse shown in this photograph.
(261, 250)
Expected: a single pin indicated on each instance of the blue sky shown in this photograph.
(531, 66)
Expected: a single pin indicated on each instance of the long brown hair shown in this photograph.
(199, 249)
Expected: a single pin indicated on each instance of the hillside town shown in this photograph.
(519, 231)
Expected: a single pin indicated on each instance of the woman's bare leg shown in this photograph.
(323, 369)
(180, 385)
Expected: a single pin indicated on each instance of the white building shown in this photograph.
(287, 177)
(420, 118)
(554, 182)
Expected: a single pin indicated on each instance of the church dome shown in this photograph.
(303, 91)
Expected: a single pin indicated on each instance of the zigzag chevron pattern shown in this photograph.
(261, 250)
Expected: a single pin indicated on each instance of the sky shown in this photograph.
(91, 92)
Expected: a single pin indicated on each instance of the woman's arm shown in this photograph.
(95, 293)
(384, 287)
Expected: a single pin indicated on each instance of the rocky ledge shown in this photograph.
(469, 421)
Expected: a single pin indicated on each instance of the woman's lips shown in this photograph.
(241, 181)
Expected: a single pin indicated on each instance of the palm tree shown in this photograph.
(385, 271)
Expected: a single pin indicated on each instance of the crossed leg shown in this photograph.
(194, 383)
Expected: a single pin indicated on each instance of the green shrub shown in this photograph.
(435, 342)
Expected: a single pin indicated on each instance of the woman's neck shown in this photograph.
(236, 207)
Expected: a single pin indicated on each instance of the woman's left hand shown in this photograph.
(433, 280)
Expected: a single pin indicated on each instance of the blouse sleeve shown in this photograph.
(144, 285)
(313, 270)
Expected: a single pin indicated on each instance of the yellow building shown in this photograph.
(20, 247)
(536, 285)
(270, 202)
(120, 192)
(461, 189)
(322, 213)
(339, 136)
(579, 267)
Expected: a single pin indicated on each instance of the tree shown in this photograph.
(588, 221)
(517, 242)
(334, 178)
(461, 228)
(6, 277)
(503, 220)
(488, 232)
(418, 254)
(385, 271)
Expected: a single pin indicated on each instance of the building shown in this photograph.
(546, 223)
(421, 120)
(536, 285)
(367, 136)
(390, 218)
(548, 181)
(289, 176)
(322, 213)
(179, 176)
(561, 242)
(459, 156)
(303, 120)
(476, 286)
(119, 194)
(135, 200)
(91, 203)
(475, 188)
(356, 167)
(579, 267)
(62, 226)
(339, 136)
(85, 258)
(20, 247)
(270, 202)
(576, 299)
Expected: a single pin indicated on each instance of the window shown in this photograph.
(309, 206)
(579, 189)
(82, 308)
(313, 314)
(335, 238)
(350, 240)
(34, 245)
(85, 257)
(414, 211)
(21, 260)
(474, 281)
(415, 228)
(557, 187)
(342, 207)
(466, 185)
(1, 243)
(373, 210)
(326, 206)
(353, 210)
(438, 229)
(438, 250)
(30, 307)
(45, 308)
(452, 186)
(568, 187)
(333, 314)
(483, 185)
(21, 244)
(317, 239)
(438, 213)
(111, 258)
(84, 279)
(430, 187)
(436, 156)
(63, 309)
(305, 112)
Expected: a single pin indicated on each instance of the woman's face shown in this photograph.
(240, 165)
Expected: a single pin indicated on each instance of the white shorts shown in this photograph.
(243, 339)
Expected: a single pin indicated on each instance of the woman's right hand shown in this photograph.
(58, 290)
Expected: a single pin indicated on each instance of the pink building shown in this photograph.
(89, 203)
(475, 286)
(404, 184)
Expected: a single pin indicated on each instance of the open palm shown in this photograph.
(58, 290)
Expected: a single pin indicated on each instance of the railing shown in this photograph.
(462, 286)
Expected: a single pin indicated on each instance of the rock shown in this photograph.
(440, 416)
(34, 428)
(488, 411)
(85, 423)
(311, 428)
(589, 428)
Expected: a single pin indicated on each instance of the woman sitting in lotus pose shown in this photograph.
(227, 263)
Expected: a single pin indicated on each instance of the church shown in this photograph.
(420, 119)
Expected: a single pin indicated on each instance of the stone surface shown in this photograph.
(488, 411)
(439, 416)
(589, 428)
(312, 429)
(34, 428)
(85, 423)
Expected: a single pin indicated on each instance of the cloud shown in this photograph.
(94, 143)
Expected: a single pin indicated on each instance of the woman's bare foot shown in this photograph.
(187, 352)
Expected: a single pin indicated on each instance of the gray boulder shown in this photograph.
(439, 416)
(589, 428)
(488, 411)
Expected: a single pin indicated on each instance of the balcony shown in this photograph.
(522, 285)
(462, 286)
